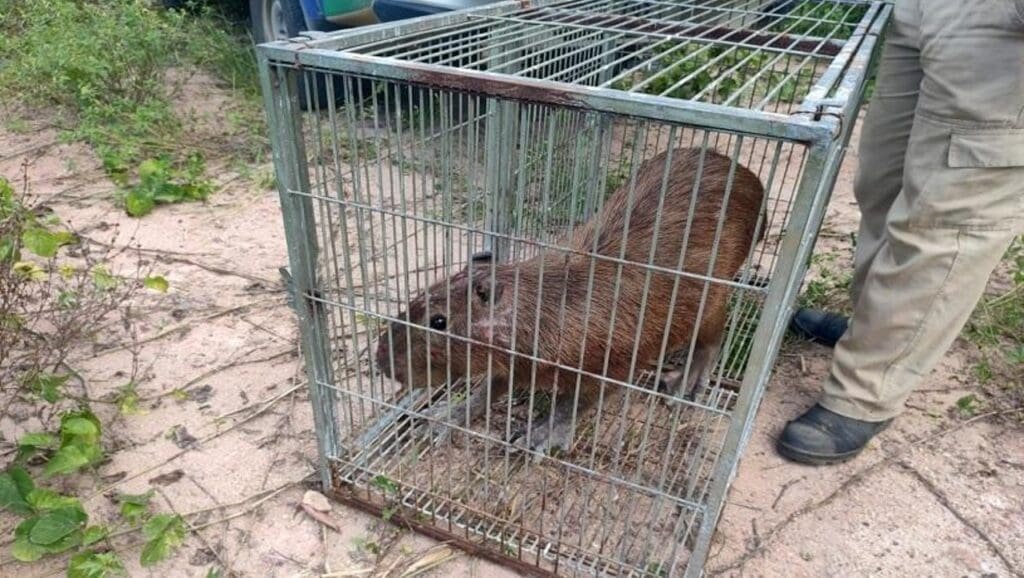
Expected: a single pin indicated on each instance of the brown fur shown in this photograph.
(568, 335)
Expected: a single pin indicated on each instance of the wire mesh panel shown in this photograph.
(543, 255)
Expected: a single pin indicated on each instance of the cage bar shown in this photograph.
(475, 201)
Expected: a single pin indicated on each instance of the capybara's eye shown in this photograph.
(438, 322)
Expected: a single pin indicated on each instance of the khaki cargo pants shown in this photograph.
(941, 193)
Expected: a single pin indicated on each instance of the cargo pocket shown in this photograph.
(986, 148)
(982, 184)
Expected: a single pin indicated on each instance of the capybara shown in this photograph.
(538, 308)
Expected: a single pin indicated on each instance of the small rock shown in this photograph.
(168, 478)
(203, 557)
(114, 478)
(317, 501)
(806, 556)
(202, 394)
(183, 439)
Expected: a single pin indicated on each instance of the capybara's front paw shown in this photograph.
(545, 440)
(437, 425)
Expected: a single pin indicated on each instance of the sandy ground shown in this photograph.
(933, 496)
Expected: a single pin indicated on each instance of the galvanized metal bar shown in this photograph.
(281, 101)
(840, 63)
(565, 95)
(501, 133)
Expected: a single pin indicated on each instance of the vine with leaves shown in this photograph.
(57, 293)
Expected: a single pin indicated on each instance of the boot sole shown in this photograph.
(803, 457)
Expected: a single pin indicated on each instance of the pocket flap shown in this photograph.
(987, 148)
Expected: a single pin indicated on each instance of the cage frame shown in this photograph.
(822, 123)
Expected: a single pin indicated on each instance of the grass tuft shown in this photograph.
(996, 329)
(101, 69)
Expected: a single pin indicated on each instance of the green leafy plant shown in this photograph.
(53, 524)
(15, 486)
(50, 300)
(968, 405)
(385, 484)
(156, 283)
(127, 399)
(103, 67)
(92, 564)
(47, 386)
(821, 19)
(135, 507)
(79, 443)
(76, 446)
(163, 533)
(160, 183)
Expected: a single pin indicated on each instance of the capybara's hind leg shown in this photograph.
(685, 384)
(704, 357)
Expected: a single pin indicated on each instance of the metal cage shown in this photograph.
(404, 150)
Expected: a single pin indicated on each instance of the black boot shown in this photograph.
(821, 437)
(820, 326)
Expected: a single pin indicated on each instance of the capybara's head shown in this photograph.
(427, 343)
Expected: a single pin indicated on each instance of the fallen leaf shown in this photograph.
(317, 501)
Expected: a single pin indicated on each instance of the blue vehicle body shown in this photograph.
(383, 10)
(392, 10)
(313, 12)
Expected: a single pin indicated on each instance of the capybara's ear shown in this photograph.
(486, 289)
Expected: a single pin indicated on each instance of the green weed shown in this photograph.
(830, 289)
(825, 19)
(968, 405)
(161, 182)
(102, 68)
(385, 484)
(718, 73)
(996, 329)
(52, 299)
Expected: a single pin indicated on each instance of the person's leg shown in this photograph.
(961, 205)
(881, 154)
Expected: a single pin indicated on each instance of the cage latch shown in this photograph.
(821, 105)
(817, 110)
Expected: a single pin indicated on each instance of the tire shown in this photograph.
(280, 20)
(275, 20)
